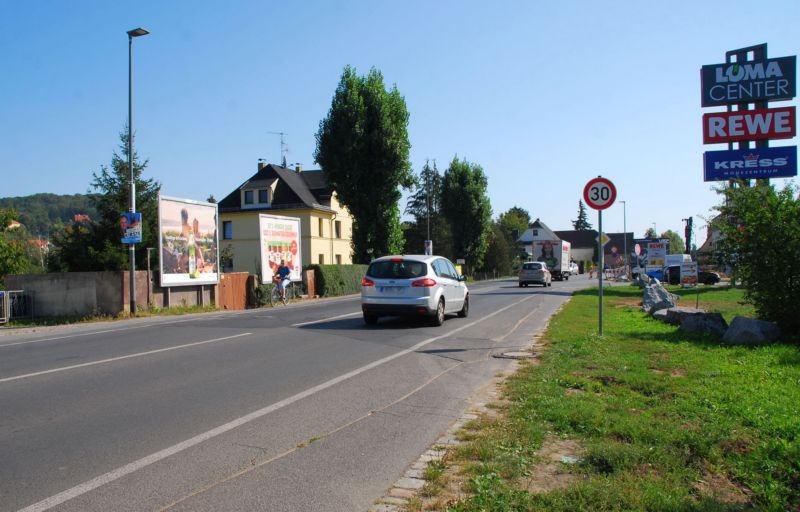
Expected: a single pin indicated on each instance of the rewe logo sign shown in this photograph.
(773, 123)
(763, 80)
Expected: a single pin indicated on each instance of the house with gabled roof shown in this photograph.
(326, 226)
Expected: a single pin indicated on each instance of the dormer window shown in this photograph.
(248, 197)
(258, 194)
(263, 196)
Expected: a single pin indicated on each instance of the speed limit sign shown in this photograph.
(599, 193)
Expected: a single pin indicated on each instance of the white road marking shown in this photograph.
(127, 469)
(120, 358)
(326, 319)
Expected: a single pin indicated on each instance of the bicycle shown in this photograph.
(275, 294)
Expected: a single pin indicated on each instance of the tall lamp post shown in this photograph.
(137, 32)
(625, 238)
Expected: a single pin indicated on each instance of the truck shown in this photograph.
(556, 254)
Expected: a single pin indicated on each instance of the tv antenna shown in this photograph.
(284, 147)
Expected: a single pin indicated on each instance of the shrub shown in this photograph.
(761, 236)
(336, 280)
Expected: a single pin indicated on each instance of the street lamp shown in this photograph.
(137, 32)
(655, 231)
(625, 237)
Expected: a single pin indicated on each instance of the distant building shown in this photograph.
(326, 225)
(80, 217)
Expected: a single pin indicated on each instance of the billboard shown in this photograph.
(188, 242)
(279, 239)
(688, 273)
(758, 163)
(649, 256)
(748, 82)
(761, 124)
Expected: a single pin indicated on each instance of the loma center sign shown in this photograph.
(748, 82)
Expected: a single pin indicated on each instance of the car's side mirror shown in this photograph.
(462, 278)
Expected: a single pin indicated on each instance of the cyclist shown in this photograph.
(281, 278)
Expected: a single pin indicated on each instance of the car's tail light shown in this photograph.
(424, 283)
(367, 282)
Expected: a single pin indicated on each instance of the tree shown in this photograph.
(651, 233)
(676, 245)
(427, 197)
(513, 223)
(582, 223)
(363, 147)
(466, 207)
(760, 230)
(95, 245)
(498, 252)
(15, 250)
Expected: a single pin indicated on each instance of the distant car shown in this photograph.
(573, 268)
(413, 285)
(534, 272)
(707, 277)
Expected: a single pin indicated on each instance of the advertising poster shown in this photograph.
(649, 256)
(188, 242)
(279, 240)
(689, 273)
(130, 226)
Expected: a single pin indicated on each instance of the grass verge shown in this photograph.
(644, 418)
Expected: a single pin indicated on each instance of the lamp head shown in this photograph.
(137, 32)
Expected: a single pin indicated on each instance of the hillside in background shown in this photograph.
(41, 213)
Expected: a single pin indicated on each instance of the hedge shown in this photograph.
(336, 280)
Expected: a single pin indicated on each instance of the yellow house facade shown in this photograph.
(325, 226)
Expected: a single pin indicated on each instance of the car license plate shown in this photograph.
(390, 290)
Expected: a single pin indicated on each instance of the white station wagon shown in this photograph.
(413, 285)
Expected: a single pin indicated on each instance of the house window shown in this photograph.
(263, 196)
(248, 197)
(338, 227)
(227, 230)
(321, 224)
(321, 259)
(338, 259)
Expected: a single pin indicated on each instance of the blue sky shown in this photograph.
(543, 95)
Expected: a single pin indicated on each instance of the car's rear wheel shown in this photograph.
(370, 319)
(438, 318)
(464, 310)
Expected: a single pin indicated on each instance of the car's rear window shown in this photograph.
(532, 266)
(397, 269)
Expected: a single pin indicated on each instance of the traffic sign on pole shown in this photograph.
(599, 193)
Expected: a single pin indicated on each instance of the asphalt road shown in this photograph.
(300, 407)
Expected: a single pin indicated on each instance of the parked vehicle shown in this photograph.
(413, 285)
(707, 277)
(573, 268)
(556, 254)
(672, 274)
(535, 272)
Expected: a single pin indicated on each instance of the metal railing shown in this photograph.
(15, 304)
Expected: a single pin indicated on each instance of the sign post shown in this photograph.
(599, 194)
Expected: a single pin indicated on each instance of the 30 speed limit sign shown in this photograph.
(599, 193)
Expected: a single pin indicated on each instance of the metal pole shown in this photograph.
(600, 268)
(625, 238)
(132, 202)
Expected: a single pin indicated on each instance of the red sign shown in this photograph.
(770, 123)
(599, 193)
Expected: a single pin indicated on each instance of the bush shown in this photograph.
(336, 280)
(761, 237)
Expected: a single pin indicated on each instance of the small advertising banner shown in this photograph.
(748, 82)
(279, 239)
(656, 256)
(188, 242)
(689, 273)
(757, 163)
(130, 225)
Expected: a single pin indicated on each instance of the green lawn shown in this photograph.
(661, 420)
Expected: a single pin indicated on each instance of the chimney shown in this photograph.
(298, 167)
(261, 163)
